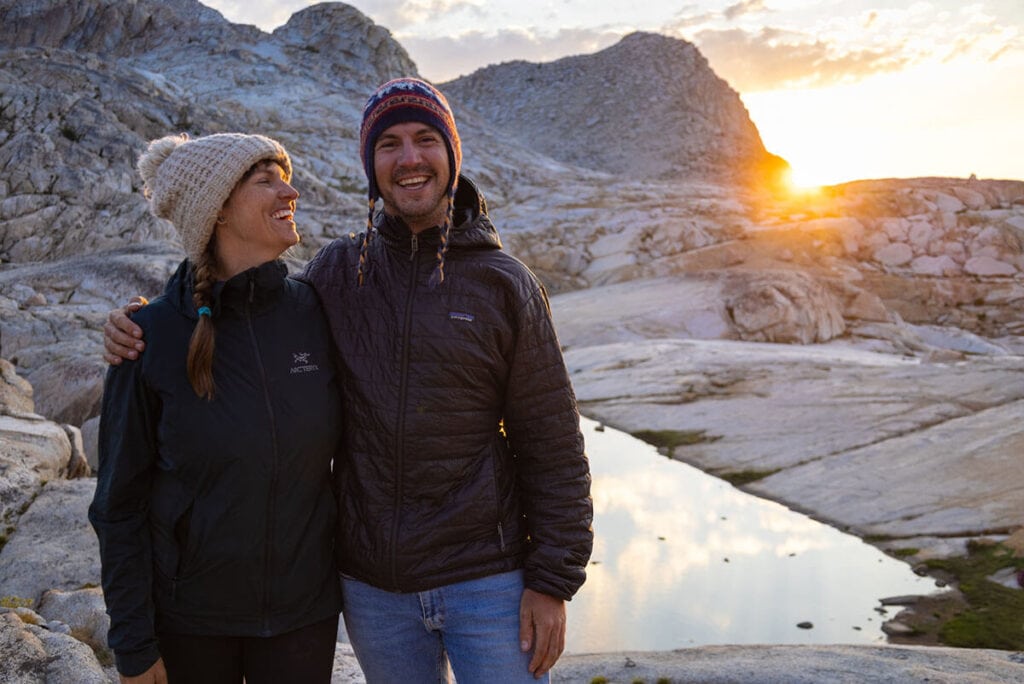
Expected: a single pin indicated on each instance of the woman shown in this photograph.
(214, 506)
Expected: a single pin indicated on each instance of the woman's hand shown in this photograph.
(154, 675)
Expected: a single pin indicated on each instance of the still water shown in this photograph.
(682, 558)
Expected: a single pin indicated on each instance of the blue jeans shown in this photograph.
(412, 638)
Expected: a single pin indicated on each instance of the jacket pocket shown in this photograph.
(182, 537)
(502, 475)
(170, 524)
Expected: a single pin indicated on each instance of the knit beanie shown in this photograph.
(188, 180)
(402, 100)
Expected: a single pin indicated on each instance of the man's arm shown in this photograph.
(542, 422)
(122, 339)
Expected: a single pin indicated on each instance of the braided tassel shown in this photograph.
(437, 277)
(364, 248)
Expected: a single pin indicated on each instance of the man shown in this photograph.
(464, 507)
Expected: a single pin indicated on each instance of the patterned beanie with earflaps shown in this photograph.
(400, 101)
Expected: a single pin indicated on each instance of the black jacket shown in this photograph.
(217, 517)
(432, 491)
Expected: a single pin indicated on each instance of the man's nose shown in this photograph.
(409, 154)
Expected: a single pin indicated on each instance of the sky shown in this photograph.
(842, 89)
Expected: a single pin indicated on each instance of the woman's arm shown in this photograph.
(119, 514)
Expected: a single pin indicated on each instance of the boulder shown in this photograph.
(894, 254)
(33, 451)
(15, 391)
(53, 546)
(33, 654)
(90, 442)
(784, 306)
(70, 389)
(989, 266)
(85, 614)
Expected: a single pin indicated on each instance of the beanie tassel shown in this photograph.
(364, 248)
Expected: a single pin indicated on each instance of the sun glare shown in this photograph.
(803, 184)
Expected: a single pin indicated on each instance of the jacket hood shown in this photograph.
(472, 227)
(261, 282)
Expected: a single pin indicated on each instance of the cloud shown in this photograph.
(744, 7)
(399, 14)
(444, 58)
(772, 58)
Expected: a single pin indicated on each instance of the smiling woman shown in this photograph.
(257, 222)
(203, 574)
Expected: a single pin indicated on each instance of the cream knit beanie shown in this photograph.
(188, 180)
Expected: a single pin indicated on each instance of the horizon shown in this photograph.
(842, 90)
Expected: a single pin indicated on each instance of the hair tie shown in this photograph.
(205, 311)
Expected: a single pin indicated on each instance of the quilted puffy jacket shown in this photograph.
(217, 517)
(464, 454)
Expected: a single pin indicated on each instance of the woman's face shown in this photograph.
(259, 215)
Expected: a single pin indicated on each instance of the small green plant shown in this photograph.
(738, 478)
(903, 553)
(664, 680)
(15, 602)
(599, 680)
(673, 438)
(70, 133)
(993, 615)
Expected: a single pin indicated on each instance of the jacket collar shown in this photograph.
(256, 288)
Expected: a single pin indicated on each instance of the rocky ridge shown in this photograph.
(648, 107)
(855, 354)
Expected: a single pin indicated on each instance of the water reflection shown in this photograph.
(682, 559)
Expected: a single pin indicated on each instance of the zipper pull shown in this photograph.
(415, 247)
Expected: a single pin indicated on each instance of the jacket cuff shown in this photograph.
(134, 663)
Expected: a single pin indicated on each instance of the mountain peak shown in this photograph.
(649, 107)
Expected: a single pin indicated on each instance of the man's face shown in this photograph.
(410, 162)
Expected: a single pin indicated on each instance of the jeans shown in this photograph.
(412, 638)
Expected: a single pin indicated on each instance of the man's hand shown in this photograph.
(122, 339)
(154, 675)
(542, 628)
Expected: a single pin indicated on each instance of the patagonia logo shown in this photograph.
(459, 316)
(301, 364)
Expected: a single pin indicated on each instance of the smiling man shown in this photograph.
(464, 510)
(465, 505)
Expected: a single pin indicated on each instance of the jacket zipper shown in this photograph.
(400, 426)
(271, 502)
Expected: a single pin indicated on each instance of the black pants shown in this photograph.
(305, 655)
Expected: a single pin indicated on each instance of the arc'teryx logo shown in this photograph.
(301, 364)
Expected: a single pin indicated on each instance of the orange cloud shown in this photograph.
(772, 59)
(744, 7)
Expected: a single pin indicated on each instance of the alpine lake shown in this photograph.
(682, 558)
